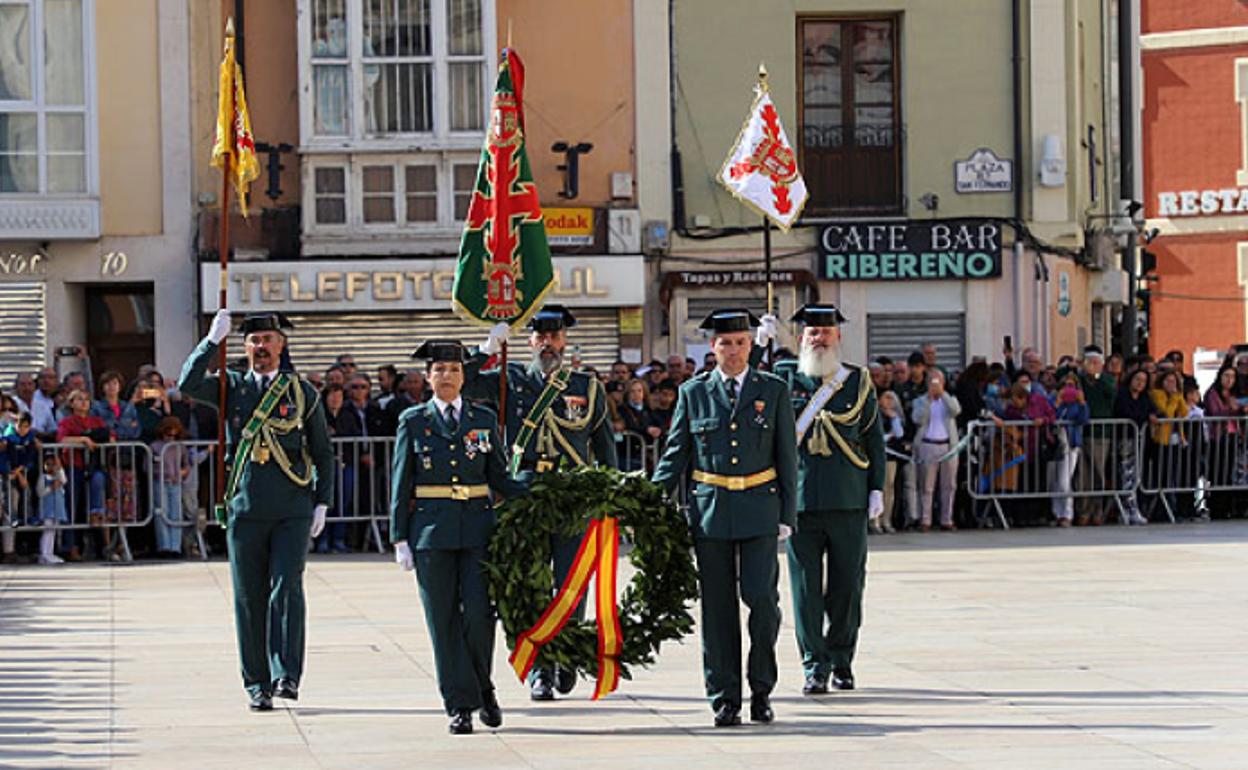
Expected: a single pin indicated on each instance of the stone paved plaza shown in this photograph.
(1105, 648)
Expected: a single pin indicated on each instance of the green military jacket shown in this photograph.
(428, 452)
(837, 475)
(758, 435)
(264, 490)
(577, 430)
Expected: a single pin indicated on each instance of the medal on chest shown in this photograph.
(760, 416)
(477, 440)
(575, 407)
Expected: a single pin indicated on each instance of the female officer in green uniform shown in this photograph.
(448, 458)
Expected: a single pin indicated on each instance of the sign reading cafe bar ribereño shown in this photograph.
(955, 249)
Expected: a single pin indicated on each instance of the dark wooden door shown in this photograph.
(121, 331)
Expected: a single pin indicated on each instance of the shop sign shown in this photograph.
(405, 284)
(1198, 203)
(23, 265)
(983, 172)
(698, 278)
(961, 249)
(569, 226)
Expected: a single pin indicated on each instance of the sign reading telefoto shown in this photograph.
(405, 284)
(914, 250)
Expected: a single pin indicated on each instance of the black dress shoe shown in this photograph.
(461, 723)
(491, 714)
(565, 680)
(843, 679)
(760, 709)
(286, 688)
(728, 715)
(816, 684)
(540, 689)
(261, 701)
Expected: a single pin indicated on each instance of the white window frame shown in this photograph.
(41, 214)
(440, 147)
(441, 138)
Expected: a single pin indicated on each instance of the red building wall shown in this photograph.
(1193, 139)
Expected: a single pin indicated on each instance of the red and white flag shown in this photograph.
(761, 170)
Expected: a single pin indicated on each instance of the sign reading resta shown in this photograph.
(1194, 203)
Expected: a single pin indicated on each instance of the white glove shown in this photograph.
(403, 556)
(875, 504)
(499, 333)
(220, 326)
(318, 519)
(768, 328)
(785, 532)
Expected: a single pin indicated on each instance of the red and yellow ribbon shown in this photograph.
(598, 554)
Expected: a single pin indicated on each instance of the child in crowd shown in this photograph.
(894, 432)
(1072, 412)
(175, 466)
(18, 451)
(52, 509)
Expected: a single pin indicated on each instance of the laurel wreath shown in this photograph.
(653, 606)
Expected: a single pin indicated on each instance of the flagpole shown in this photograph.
(771, 291)
(223, 249)
(502, 394)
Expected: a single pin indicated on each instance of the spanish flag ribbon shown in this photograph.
(598, 554)
(234, 150)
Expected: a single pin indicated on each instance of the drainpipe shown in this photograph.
(1016, 50)
(1126, 132)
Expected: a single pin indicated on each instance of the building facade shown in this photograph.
(1195, 153)
(376, 113)
(953, 198)
(96, 219)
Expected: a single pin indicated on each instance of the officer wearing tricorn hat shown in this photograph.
(280, 483)
(448, 459)
(734, 425)
(840, 482)
(556, 418)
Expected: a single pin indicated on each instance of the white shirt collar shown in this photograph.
(441, 405)
(740, 378)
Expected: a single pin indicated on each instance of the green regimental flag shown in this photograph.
(504, 270)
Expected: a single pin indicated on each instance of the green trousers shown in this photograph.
(563, 551)
(724, 566)
(266, 564)
(461, 623)
(839, 540)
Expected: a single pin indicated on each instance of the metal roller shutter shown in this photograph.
(701, 306)
(897, 335)
(376, 339)
(23, 330)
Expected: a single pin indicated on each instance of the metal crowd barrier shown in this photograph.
(1200, 458)
(1019, 460)
(107, 490)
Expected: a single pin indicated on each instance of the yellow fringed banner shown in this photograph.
(598, 554)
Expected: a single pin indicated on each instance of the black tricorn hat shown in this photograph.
(441, 350)
(816, 314)
(266, 322)
(729, 320)
(552, 318)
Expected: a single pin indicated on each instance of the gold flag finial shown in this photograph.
(229, 27)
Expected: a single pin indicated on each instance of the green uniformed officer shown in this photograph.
(447, 459)
(840, 486)
(569, 426)
(735, 426)
(281, 483)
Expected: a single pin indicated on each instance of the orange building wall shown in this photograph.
(1203, 266)
(1172, 15)
(1193, 138)
(578, 60)
(271, 63)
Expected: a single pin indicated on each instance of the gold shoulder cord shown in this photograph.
(276, 426)
(551, 432)
(826, 422)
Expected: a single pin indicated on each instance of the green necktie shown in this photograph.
(732, 392)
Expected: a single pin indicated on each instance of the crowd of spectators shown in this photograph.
(1043, 432)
